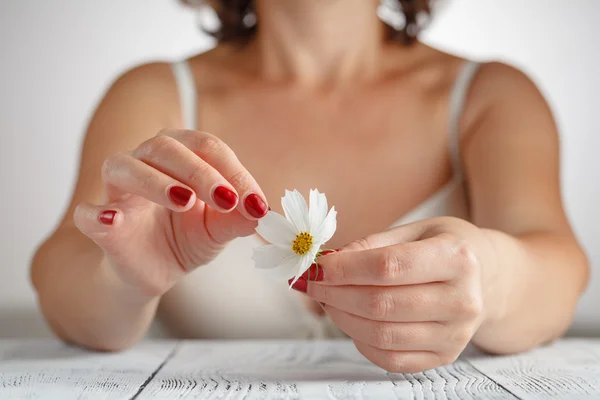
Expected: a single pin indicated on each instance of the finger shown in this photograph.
(424, 336)
(223, 159)
(172, 158)
(217, 154)
(403, 362)
(223, 228)
(411, 263)
(412, 303)
(130, 175)
(400, 234)
(99, 223)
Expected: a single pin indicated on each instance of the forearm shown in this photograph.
(83, 300)
(534, 293)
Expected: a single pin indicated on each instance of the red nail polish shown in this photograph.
(326, 252)
(179, 195)
(255, 206)
(225, 197)
(314, 273)
(107, 217)
(301, 285)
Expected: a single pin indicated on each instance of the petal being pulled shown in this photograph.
(296, 210)
(274, 228)
(270, 256)
(327, 228)
(287, 269)
(303, 265)
(317, 210)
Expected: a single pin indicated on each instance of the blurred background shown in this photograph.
(57, 58)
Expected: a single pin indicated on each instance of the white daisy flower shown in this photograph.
(296, 238)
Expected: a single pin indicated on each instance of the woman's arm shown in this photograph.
(79, 294)
(511, 156)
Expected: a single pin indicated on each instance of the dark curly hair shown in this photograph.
(238, 20)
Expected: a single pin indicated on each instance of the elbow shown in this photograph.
(106, 347)
(35, 269)
(583, 270)
(84, 339)
(90, 343)
(42, 261)
(580, 270)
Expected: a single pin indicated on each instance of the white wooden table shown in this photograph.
(568, 369)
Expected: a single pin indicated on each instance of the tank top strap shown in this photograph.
(458, 96)
(187, 93)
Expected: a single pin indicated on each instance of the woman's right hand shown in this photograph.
(170, 205)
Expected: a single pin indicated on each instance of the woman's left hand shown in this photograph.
(411, 297)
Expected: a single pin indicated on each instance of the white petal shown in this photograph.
(327, 228)
(303, 265)
(296, 210)
(287, 269)
(317, 210)
(274, 228)
(271, 256)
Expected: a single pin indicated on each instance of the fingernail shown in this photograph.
(180, 196)
(225, 197)
(107, 217)
(326, 252)
(300, 285)
(314, 273)
(255, 206)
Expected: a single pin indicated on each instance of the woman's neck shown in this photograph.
(318, 42)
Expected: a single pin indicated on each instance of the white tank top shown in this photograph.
(229, 298)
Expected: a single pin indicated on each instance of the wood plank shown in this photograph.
(304, 370)
(274, 370)
(51, 370)
(567, 369)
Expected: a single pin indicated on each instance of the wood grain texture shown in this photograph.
(568, 369)
(305, 370)
(52, 370)
(564, 370)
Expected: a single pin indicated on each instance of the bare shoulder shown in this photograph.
(142, 89)
(505, 95)
(505, 80)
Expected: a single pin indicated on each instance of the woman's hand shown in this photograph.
(171, 205)
(411, 297)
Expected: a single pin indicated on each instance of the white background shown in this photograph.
(57, 57)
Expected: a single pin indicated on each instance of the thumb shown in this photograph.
(400, 234)
(224, 227)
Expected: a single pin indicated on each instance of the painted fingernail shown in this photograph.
(326, 252)
(255, 206)
(300, 285)
(314, 273)
(107, 217)
(225, 197)
(180, 195)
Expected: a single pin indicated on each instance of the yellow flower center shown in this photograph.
(303, 243)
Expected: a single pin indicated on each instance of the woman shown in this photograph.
(180, 162)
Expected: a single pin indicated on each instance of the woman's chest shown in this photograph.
(374, 162)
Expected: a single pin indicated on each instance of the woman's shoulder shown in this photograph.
(153, 77)
(496, 89)
(145, 89)
(153, 88)
(502, 76)
(494, 83)
(503, 90)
